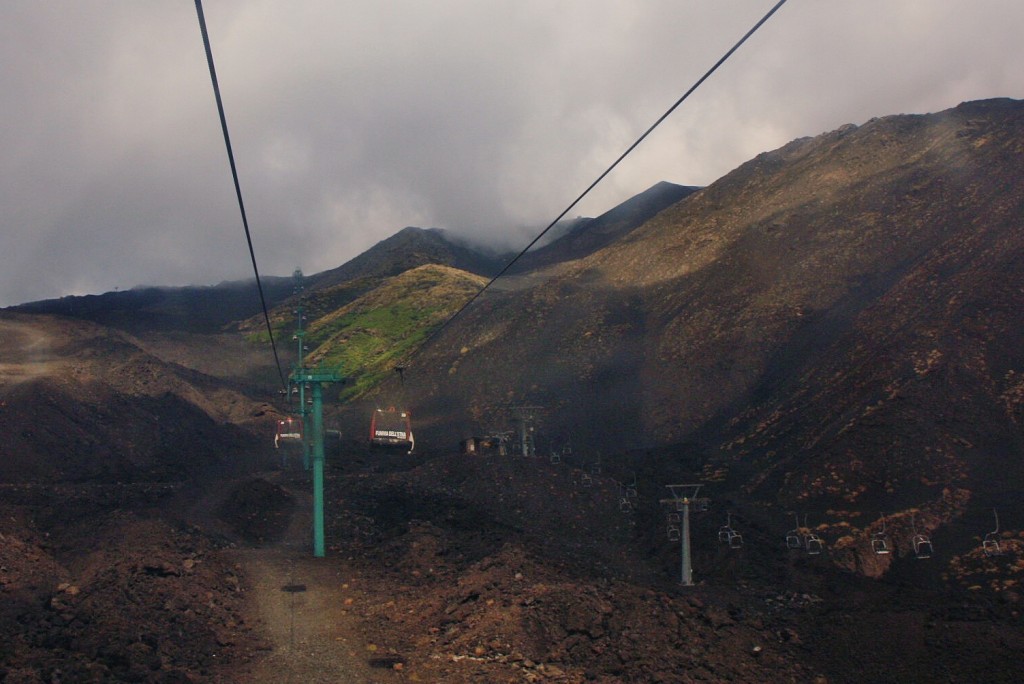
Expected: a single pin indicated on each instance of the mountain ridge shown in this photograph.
(715, 320)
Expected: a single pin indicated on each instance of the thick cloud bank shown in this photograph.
(351, 120)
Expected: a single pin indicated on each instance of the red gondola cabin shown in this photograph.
(288, 430)
(392, 428)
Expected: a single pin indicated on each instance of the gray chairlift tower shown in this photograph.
(684, 496)
(525, 419)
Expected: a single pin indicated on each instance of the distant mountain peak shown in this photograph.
(586, 236)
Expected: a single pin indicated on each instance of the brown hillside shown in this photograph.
(789, 248)
(85, 403)
(838, 322)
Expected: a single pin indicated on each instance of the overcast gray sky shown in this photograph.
(353, 119)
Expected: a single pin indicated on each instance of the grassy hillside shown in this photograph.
(316, 304)
(368, 337)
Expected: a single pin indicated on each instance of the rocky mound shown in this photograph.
(111, 596)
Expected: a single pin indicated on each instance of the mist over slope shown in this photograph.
(837, 320)
(190, 309)
(584, 236)
(81, 402)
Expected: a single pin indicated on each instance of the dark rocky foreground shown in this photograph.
(469, 569)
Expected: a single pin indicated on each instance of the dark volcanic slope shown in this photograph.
(406, 249)
(842, 316)
(83, 403)
(211, 309)
(586, 236)
(326, 293)
(168, 309)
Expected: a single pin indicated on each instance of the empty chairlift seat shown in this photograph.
(793, 538)
(813, 544)
(801, 537)
(879, 543)
(879, 540)
(921, 544)
(727, 535)
(990, 544)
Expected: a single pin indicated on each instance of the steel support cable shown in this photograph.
(238, 187)
(622, 156)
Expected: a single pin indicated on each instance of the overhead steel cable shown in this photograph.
(238, 187)
(622, 156)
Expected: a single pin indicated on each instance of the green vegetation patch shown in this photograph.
(382, 329)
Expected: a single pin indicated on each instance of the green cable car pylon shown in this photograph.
(316, 378)
(312, 435)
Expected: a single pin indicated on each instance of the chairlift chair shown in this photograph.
(921, 543)
(556, 458)
(879, 542)
(631, 490)
(624, 505)
(673, 533)
(793, 539)
(812, 542)
(990, 545)
(586, 480)
(727, 535)
(725, 530)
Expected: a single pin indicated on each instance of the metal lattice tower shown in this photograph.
(525, 419)
(683, 497)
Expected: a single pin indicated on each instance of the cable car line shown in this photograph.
(238, 188)
(607, 171)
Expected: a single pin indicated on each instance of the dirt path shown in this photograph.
(309, 609)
